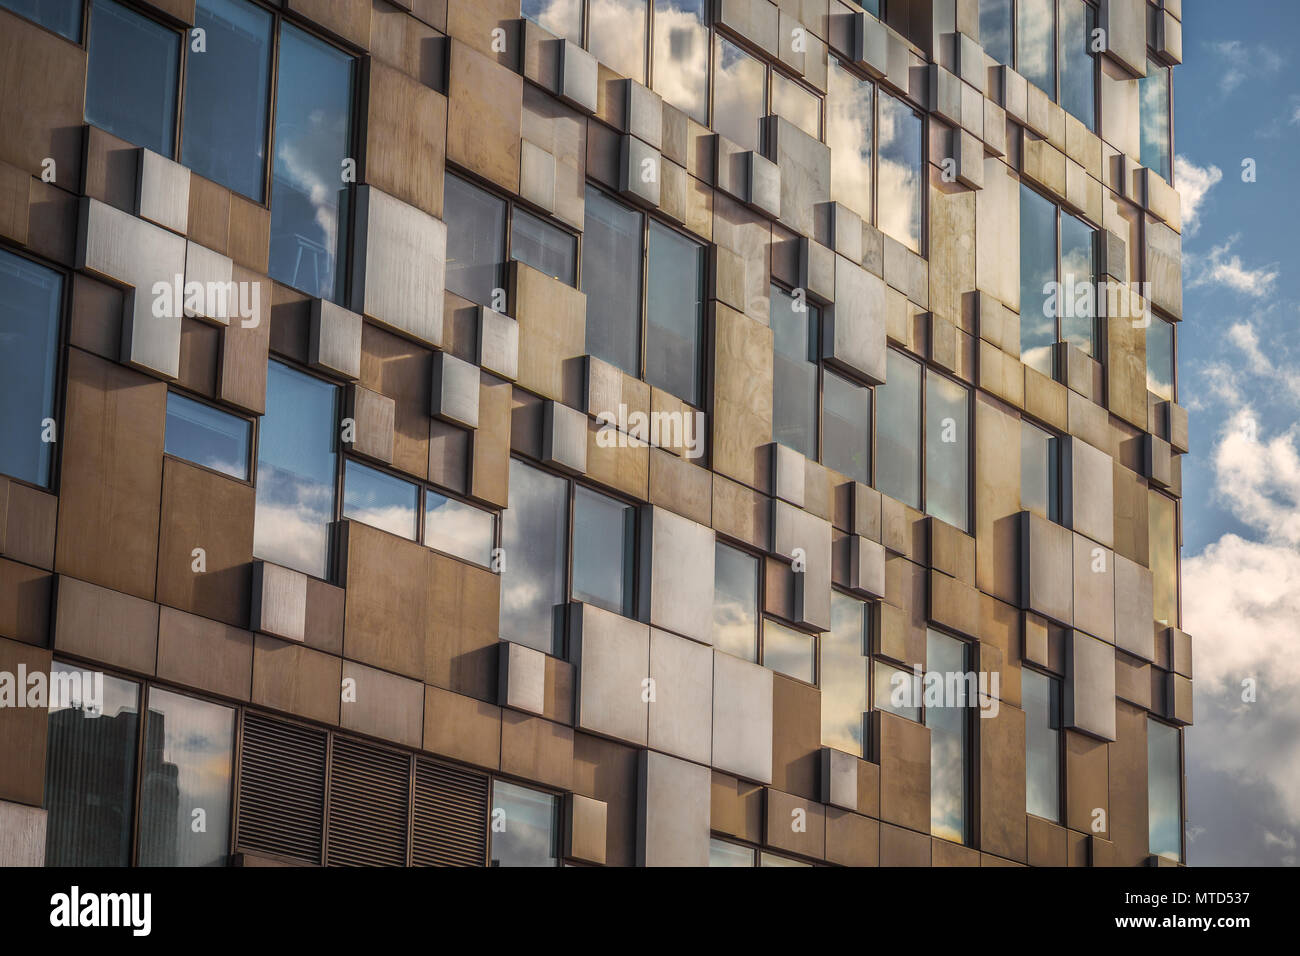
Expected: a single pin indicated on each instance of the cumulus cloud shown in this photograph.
(1220, 268)
(1193, 183)
(1242, 62)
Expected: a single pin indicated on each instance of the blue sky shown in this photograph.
(1237, 98)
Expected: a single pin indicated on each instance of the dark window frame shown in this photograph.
(254, 433)
(1059, 717)
(970, 720)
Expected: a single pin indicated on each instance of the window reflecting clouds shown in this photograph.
(132, 68)
(617, 35)
(1160, 358)
(995, 29)
(681, 56)
(1037, 274)
(379, 499)
(611, 270)
(949, 741)
(896, 691)
(899, 172)
(534, 535)
(561, 17)
(1078, 63)
(1164, 790)
(735, 602)
(797, 104)
(846, 427)
(849, 119)
(1162, 516)
(844, 675)
(739, 93)
(458, 529)
(1040, 471)
(674, 313)
(207, 436)
(898, 430)
(604, 533)
(1035, 47)
(1077, 300)
(546, 248)
(1153, 105)
(525, 828)
(476, 240)
(790, 652)
(947, 450)
(1042, 705)
(795, 336)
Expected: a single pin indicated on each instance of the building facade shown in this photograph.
(624, 432)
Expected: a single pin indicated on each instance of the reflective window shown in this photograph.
(735, 602)
(844, 677)
(61, 16)
(616, 35)
(871, 6)
(849, 119)
(949, 726)
(795, 337)
(739, 94)
(1162, 515)
(611, 266)
(1042, 705)
(899, 176)
(459, 529)
(797, 104)
(722, 853)
(789, 652)
(525, 826)
(30, 303)
(898, 430)
(1164, 790)
(1076, 303)
(227, 96)
(1035, 46)
(1037, 279)
(846, 427)
(546, 248)
(132, 69)
(534, 533)
(1078, 62)
(896, 691)
(188, 747)
(995, 29)
(947, 450)
(313, 136)
(674, 313)
(681, 56)
(561, 17)
(476, 240)
(90, 768)
(604, 536)
(1153, 107)
(207, 436)
(1040, 471)
(773, 859)
(380, 500)
(1160, 358)
(295, 471)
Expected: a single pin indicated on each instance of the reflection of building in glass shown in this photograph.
(90, 776)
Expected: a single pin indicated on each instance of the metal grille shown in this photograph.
(368, 801)
(451, 808)
(281, 789)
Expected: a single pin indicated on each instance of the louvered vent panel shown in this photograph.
(451, 808)
(368, 806)
(281, 789)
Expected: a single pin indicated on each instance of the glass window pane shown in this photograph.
(1076, 302)
(795, 337)
(561, 17)
(524, 831)
(1037, 280)
(947, 450)
(534, 533)
(849, 117)
(90, 768)
(735, 602)
(227, 96)
(1163, 525)
(132, 70)
(846, 427)
(1042, 702)
(898, 430)
(790, 652)
(896, 691)
(313, 135)
(1164, 790)
(799, 105)
(617, 35)
(899, 174)
(995, 29)
(946, 715)
(611, 273)
(459, 529)
(739, 94)
(61, 16)
(476, 240)
(1153, 107)
(772, 859)
(379, 499)
(844, 675)
(207, 436)
(1035, 57)
(188, 745)
(1039, 476)
(1078, 66)
(722, 853)
(31, 299)
(604, 533)
(295, 471)
(681, 56)
(674, 313)
(1160, 357)
(546, 248)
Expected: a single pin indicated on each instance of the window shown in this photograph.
(1057, 294)
(773, 859)
(1164, 790)
(1052, 41)
(672, 357)
(604, 539)
(681, 56)
(947, 454)
(525, 826)
(995, 29)
(547, 248)
(846, 427)
(1153, 108)
(1160, 358)
(227, 96)
(313, 137)
(1035, 49)
(207, 436)
(132, 68)
(296, 463)
(1077, 90)
(898, 429)
(561, 17)
(739, 94)
(735, 602)
(949, 723)
(379, 499)
(61, 16)
(850, 110)
(534, 536)
(1042, 705)
(1162, 517)
(797, 104)
(899, 176)
(790, 652)
(458, 529)
(796, 338)
(844, 675)
(895, 690)
(723, 853)
(616, 35)
(31, 304)
(476, 241)
(1040, 471)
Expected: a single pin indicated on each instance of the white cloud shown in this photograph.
(1241, 62)
(1193, 182)
(1219, 268)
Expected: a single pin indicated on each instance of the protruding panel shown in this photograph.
(742, 718)
(22, 835)
(584, 835)
(455, 390)
(676, 569)
(522, 675)
(854, 337)
(681, 707)
(334, 343)
(673, 811)
(163, 192)
(564, 438)
(1094, 589)
(373, 417)
(1089, 698)
(1134, 613)
(498, 343)
(796, 824)
(1046, 568)
(839, 778)
(612, 656)
(279, 601)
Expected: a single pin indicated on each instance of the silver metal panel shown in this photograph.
(645, 114)
(612, 657)
(1046, 568)
(839, 778)
(1015, 93)
(1134, 609)
(577, 77)
(162, 192)
(765, 184)
(1164, 266)
(537, 175)
(804, 538)
(788, 471)
(742, 718)
(213, 272)
(676, 570)
(498, 343)
(1112, 255)
(817, 269)
(970, 61)
(399, 266)
(866, 566)
(1157, 463)
(968, 157)
(334, 342)
(1089, 685)
(1124, 25)
(870, 44)
(672, 811)
(374, 419)
(681, 704)
(564, 438)
(945, 94)
(455, 390)
(521, 678)
(1094, 589)
(1089, 495)
(639, 171)
(386, 705)
(279, 604)
(22, 835)
(853, 339)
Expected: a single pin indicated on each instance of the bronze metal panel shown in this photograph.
(105, 625)
(1002, 782)
(323, 629)
(245, 345)
(15, 200)
(349, 19)
(25, 603)
(736, 807)
(1087, 783)
(196, 652)
(903, 749)
(209, 213)
(382, 705)
(796, 737)
(24, 730)
(851, 839)
(96, 317)
(112, 169)
(1128, 787)
(489, 467)
(387, 600)
(27, 524)
(401, 370)
(249, 242)
(200, 347)
(741, 512)
(296, 679)
(406, 137)
(42, 100)
(947, 853)
(795, 824)
(484, 116)
(462, 728)
(741, 420)
(678, 484)
(607, 771)
(537, 749)
(899, 847)
(463, 605)
(625, 469)
(476, 22)
(1048, 843)
(52, 223)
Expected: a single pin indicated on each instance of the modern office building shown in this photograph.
(617, 432)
